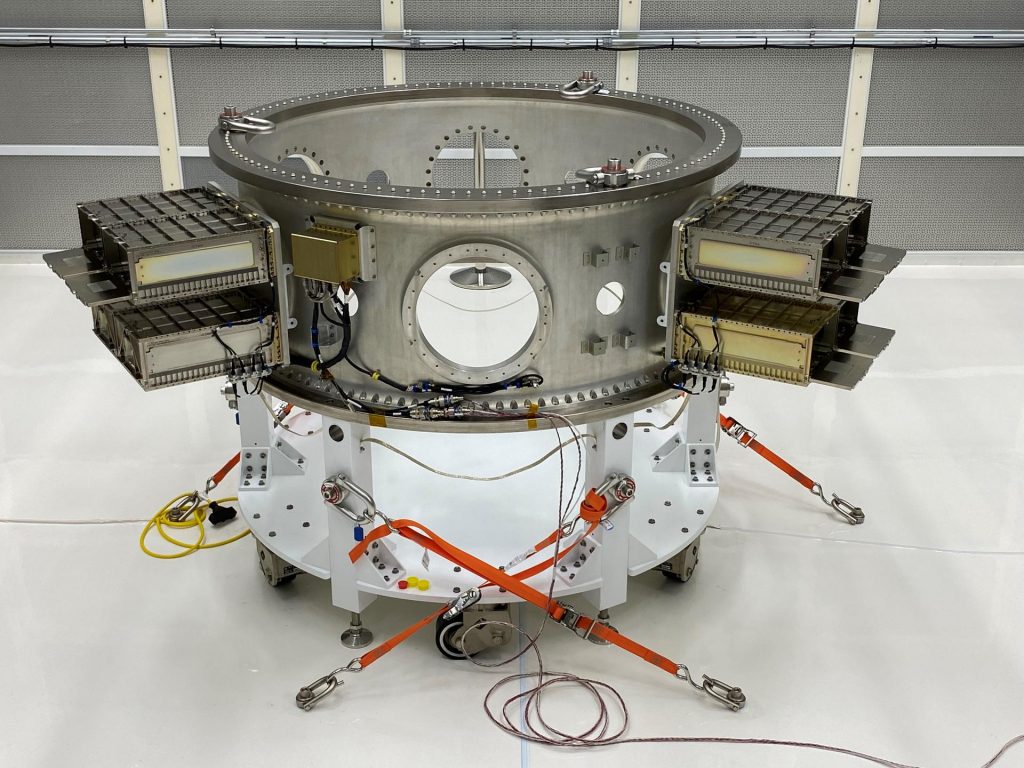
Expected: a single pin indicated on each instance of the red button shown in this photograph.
(403, 584)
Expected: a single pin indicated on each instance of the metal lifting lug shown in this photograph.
(462, 602)
(740, 434)
(730, 695)
(624, 490)
(233, 121)
(337, 488)
(585, 85)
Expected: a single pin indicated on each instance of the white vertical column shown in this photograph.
(861, 60)
(162, 84)
(345, 454)
(612, 452)
(392, 19)
(627, 63)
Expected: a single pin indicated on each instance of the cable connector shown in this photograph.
(220, 514)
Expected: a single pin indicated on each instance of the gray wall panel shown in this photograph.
(75, 96)
(511, 14)
(951, 14)
(274, 14)
(946, 97)
(71, 13)
(812, 174)
(777, 98)
(743, 14)
(530, 66)
(945, 203)
(199, 171)
(39, 194)
(207, 79)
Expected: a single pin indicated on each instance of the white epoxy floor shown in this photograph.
(903, 637)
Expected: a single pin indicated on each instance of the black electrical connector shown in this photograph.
(220, 514)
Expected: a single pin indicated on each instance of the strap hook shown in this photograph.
(852, 514)
(729, 695)
(309, 695)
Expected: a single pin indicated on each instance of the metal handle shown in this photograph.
(585, 85)
(246, 124)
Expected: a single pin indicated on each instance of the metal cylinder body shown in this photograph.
(485, 174)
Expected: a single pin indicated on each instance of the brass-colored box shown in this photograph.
(772, 338)
(329, 254)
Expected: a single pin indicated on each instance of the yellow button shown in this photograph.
(413, 581)
(422, 584)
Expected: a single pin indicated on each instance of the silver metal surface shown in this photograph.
(544, 229)
(591, 39)
(356, 636)
(534, 115)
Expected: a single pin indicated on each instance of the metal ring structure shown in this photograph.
(574, 238)
(478, 252)
(240, 156)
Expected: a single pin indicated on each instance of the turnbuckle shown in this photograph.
(309, 695)
(729, 695)
(740, 433)
(852, 514)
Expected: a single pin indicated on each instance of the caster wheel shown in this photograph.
(445, 631)
(681, 567)
(282, 581)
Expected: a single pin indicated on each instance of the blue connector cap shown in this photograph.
(357, 533)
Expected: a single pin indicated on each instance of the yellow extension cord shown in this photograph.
(195, 513)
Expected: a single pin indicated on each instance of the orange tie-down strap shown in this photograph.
(420, 534)
(747, 439)
(381, 531)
